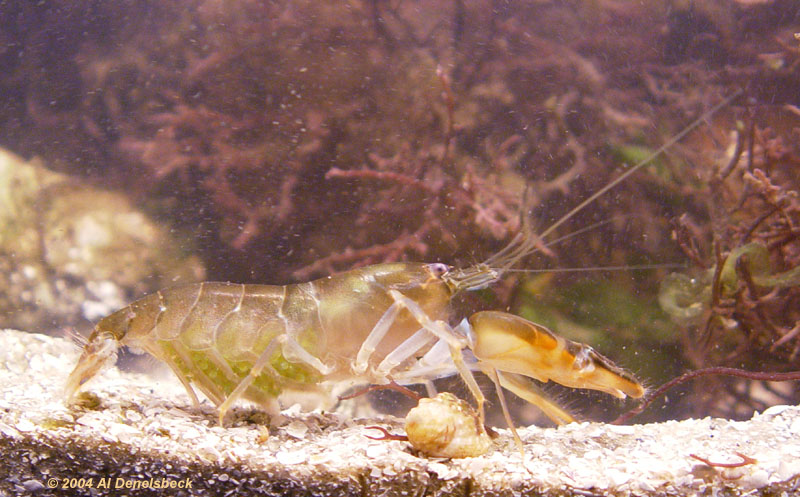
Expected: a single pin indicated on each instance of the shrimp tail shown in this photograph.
(100, 352)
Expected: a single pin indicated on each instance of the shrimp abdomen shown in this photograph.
(209, 334)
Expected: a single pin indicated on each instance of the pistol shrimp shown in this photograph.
(376, 324)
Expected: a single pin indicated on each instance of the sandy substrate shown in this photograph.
(145, 438)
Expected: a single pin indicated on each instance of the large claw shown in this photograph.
(511, 344)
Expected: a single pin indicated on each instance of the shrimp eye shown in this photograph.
(439, 269)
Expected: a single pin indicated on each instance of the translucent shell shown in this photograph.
(446, 426)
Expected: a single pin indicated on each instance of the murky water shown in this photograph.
(275, 143)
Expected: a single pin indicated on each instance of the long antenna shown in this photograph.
(672, 141)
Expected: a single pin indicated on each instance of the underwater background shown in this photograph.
(147, 144)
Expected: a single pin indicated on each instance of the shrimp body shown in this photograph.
(264, 339)
(378, 324)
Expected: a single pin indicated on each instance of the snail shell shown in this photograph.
(446, 426)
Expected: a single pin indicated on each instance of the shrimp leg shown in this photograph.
(179, 374)
(404, 351)
(433, 364)
(294, 352)
(261, 363)
(374, 338)
(291, 350)
(400, 353)
(527, 390)
(455, 343)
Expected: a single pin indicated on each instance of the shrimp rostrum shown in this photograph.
(373, 325)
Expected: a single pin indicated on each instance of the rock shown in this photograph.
(71, 252)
